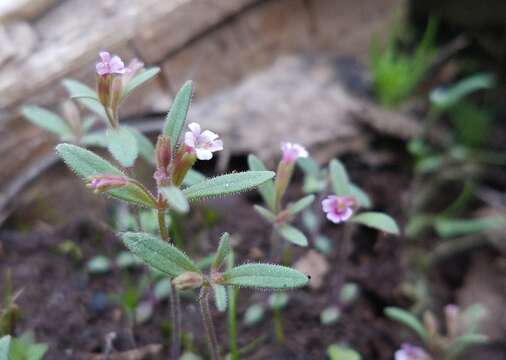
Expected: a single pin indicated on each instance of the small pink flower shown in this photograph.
(411, 352)
(291, 152)
(110, 65)
(203, 143)
(106, 182)
(338, 208)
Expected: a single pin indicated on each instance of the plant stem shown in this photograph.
(232, 323)
(278, 326)
(343, 250)
(208, 322)
(175, 305)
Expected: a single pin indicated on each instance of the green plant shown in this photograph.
(174, 158)
(395, 73)
(461, 332)
(22, 348)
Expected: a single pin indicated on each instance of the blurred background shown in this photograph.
(408, 93)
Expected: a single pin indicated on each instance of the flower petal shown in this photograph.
(203, 154)
(195, 128)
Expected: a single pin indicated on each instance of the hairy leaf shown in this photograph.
(138, 80)
(266, 189)
(46, 120)
(122, 145)
(158, 254)
(87, 164)
(146, 148)
(96, 138)
(174, 122)
(339, 178)
(377, 221)
(222, 252)
(266, 276)
(193, 177)
(293, 235)
(220, 297)
(227, 184)
(300, 205)
(85, 96)
(175, 199)
(265, 213)
(463, 342)
(407, 320)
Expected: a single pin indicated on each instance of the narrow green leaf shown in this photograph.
(227, 184)
(88, 97)
(462, 343)
(175, 198)
(122, 145)
(446, 227)
(407, 320)
(309, 167)
(220, 297)
(265, 213)
(363, 199)
(253, 315)
(265, 276)
(293, 235)
(158, 254)
(87, 164)
(5, 344)
(193, 177)
(266, 189)
(300, 205)
(46, 120)
(138, 80)
(145, 146)
(97, 138)
(338, 352)
(222, 252)
(174, 122)
(377, 221)
(339, 178)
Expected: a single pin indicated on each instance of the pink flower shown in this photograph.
(410, 352)
(203, 143)
(106, 182)
(291, 152)
(338, 208)
(110, 65)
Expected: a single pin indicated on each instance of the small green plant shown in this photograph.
(461, 332)
(22, 348)
(395, 74)
(174, 155)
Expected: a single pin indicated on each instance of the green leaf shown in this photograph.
(227, 184)
(309, 167)
(220, 297)
(253, 315)
(122, 145)
(126, 260)
(293, 235)
(278, 301)
(87, 164)
(339, 178)
(5, 344)
(266, 189)
(97, 138)
(98, 265)
(145, 146)
(377, 221)
(175, 198)
(85, 96)
(447, 228)
(162, 289)
(265, 213)
(193, 177)
(461, 343)
(176, 117)
(330, 315)
(222, 252)
(363, 199)
(407, 320)
(300, 205)
(266, 276)
(158, 254)
(338, 352)
(138, 80)
(46, 120)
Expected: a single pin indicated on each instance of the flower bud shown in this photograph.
(188, 280)
(184, 160)
(104, 83)
(101, 183)
(283, 177)
(163, 152)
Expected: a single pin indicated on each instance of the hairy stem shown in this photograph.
(232, 323)
(208, 322)
(175, 305)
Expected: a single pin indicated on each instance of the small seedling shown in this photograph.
(460, 332)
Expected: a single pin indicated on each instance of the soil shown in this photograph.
(67, 307)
